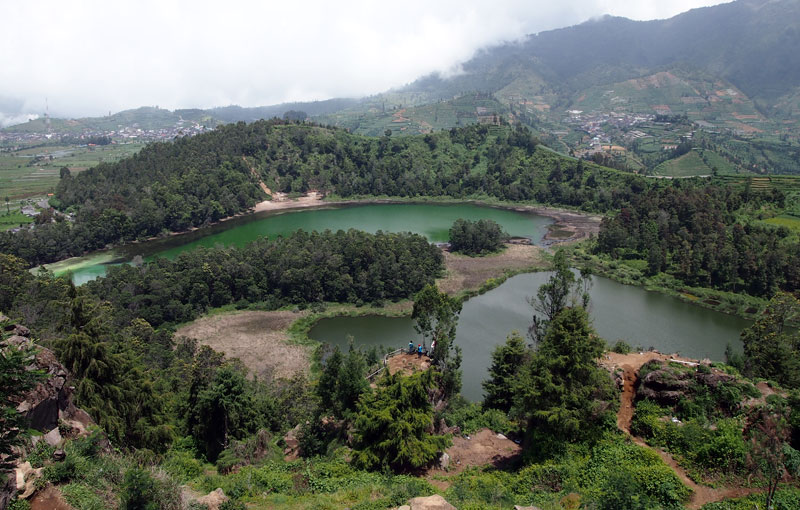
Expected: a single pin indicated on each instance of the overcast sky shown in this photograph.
(92, 57)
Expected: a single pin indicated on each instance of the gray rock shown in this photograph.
(53, 437)
(444, 461)
(59, 455)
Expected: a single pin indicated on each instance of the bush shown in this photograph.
(621, 347)
(138, 490)
(80, 496)
(182, 465)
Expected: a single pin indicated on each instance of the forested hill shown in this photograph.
(194, 181)
(754, 44)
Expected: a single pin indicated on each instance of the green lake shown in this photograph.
(641, 318)
(431, 220)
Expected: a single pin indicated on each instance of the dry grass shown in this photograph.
(259, 339)
(469, 273)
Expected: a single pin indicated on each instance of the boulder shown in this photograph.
(213, 499)
(292, 450)
(21, 330)
(713, 380)
(435, 502)
(51, 399)
(519, 507)
(53, 438)
(666, 379)
(665, 397)
(26, 479)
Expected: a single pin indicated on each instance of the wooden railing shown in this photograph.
(385, 360)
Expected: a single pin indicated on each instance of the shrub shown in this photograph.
(80, 496)
(621, 347)
(137, 491)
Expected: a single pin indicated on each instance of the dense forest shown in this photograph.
(702, 237)
(194, 181)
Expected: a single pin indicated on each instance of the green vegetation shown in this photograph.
(392, 425)
(13, 220)
(689, 164)
(771, 347)
(476, 237)
(195, 181)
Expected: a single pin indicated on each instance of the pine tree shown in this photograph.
(563, 393)
(507, 360)
(393, 425)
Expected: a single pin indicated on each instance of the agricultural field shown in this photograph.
(785, 220)
(12, 219)
(687, 165)
(35, 171)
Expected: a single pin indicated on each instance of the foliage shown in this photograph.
(614, 473)
(771, 347)
(193, 181)
(770, 454)
(137, 490)
(563, 393)
(222, 410)
(342, 382)
(507, 360)
(621, 347)
(435, 317)
(692, 233)
(392, 425)
(472, 416)
(476, 237)
(15, 380)
(341, 266)
(561, 290)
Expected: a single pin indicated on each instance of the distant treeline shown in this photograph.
(193, 181)
(695, 235)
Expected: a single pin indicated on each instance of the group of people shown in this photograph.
(420, 351)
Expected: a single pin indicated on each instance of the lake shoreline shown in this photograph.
(578, 225)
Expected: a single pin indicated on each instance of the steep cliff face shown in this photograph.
(47, 408)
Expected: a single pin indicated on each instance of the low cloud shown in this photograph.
(92, 57)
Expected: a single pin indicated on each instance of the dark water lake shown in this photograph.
(431, 220)
(641, 318)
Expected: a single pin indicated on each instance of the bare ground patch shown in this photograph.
(469, 273)
(257, 338)
(481, 449)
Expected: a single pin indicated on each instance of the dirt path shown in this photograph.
(630, 365)
(625, 414)
(259, 339)
(49, 499)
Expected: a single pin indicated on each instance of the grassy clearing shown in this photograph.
(15, 219)
(687, 165)
(785, 220)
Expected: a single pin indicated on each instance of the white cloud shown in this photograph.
(91, 57)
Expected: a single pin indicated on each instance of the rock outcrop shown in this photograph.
(213, 499)
(48, 408)
(435, 502)
(667, 385)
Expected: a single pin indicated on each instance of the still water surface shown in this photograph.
(641, 318)
(431, 220)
